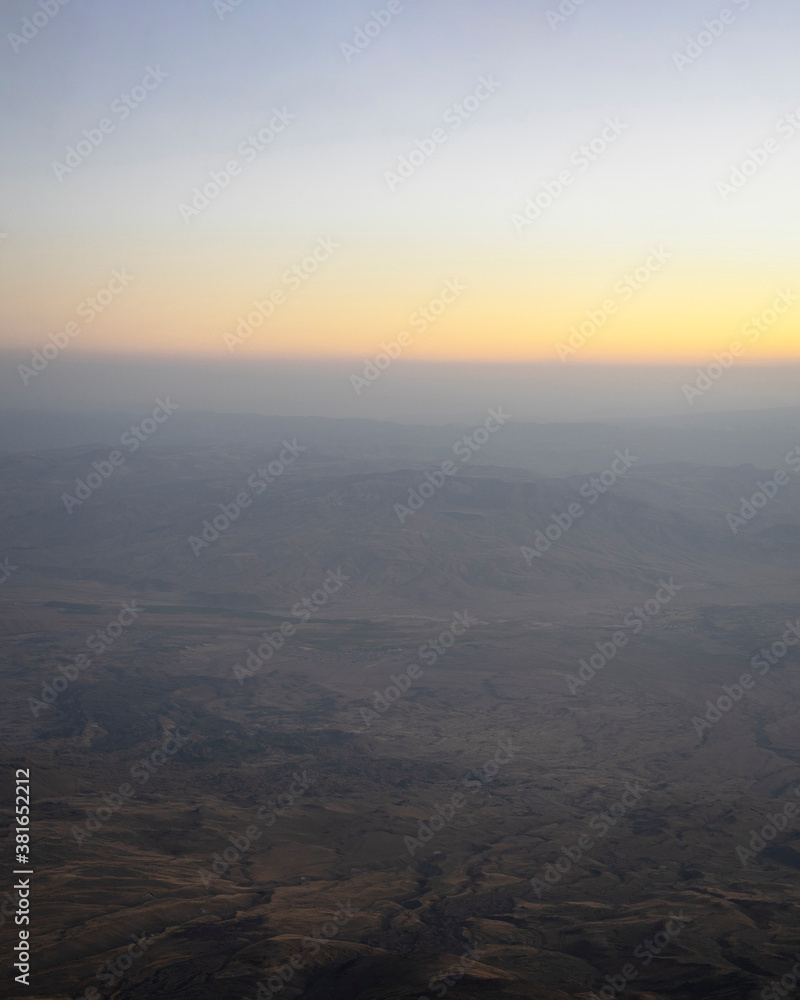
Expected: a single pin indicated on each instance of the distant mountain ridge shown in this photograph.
(479, 536)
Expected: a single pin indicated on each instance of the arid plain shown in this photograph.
(340, 751)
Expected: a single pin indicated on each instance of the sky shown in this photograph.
(441, 181)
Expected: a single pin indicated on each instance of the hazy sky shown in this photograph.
(452, 236)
